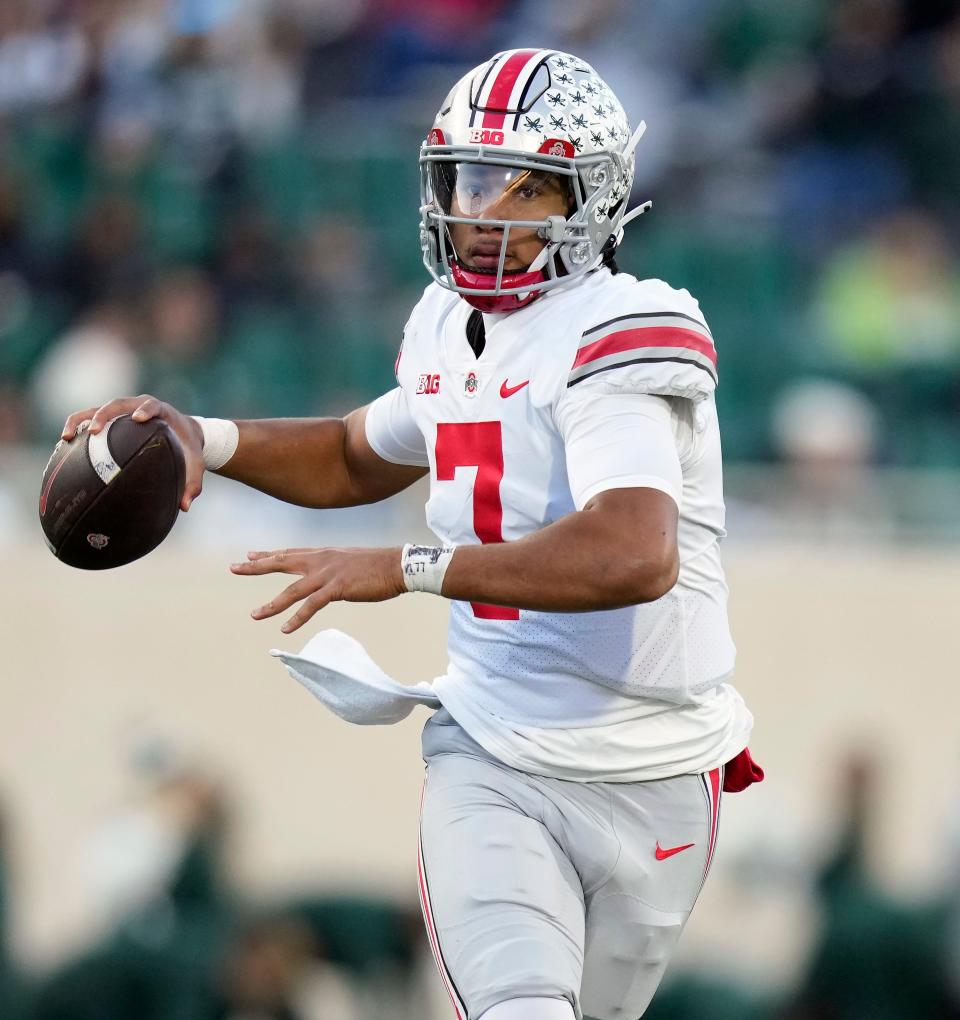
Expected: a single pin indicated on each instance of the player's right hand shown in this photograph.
(143, 408)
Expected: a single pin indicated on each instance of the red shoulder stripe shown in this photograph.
(646, 336)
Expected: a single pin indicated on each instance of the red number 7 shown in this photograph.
(478, 444)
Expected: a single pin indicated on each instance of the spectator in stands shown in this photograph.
(876, 958)
(181, 336)
(90, 359)
(827, 434)
(889, 319)
(835, 169)
(109, 258)
(263, 973)
(375, 943)
(156, 868)
(930, 132)
(43, 57)
(17, 254)
(893, 300)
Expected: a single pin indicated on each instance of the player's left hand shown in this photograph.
(326, 575)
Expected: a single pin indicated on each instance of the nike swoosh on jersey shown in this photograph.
(508, 391)
(662, 854)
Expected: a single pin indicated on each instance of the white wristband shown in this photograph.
(424, 566)
(220, 440)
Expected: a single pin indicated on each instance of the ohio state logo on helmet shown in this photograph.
(540, 115)
(558, 147)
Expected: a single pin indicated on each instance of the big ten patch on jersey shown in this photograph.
(428, 383)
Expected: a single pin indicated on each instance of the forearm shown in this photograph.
(298, 460)
(577, 564)
(621, 549)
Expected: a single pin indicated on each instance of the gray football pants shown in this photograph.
(544, 887)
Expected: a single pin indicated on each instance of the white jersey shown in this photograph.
(604, 384)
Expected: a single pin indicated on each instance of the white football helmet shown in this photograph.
(524, 118)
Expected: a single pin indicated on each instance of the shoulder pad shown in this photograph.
(650, 339)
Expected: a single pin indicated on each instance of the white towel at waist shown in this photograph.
(336, 669)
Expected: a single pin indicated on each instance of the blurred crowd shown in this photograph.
(215, 200)
(176, 939)
(173, 938)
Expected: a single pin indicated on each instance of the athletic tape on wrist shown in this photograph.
(220, 440)
(424, 566)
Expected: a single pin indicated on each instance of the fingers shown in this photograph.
(99, 416)
(310, 606)
(312, 588)
(191, 437)
(280, 553)
(150, 408)
(283, 561)
(193, 483)
(291, 594)
(74, 421)
(125, 405)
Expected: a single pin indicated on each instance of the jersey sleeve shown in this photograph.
(650, 339)
(619, 441)
(392, 432)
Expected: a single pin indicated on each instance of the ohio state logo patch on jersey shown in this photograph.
(471, 385)
(428, 384)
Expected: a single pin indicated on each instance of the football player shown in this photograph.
(565, 413)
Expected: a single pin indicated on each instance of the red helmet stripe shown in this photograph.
(502, 88)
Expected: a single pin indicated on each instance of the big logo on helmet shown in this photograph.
(486, 137)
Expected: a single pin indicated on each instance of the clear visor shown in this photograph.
(488, 191)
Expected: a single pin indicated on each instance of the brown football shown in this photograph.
(110, 498)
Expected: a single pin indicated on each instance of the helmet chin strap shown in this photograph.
(541, 260)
